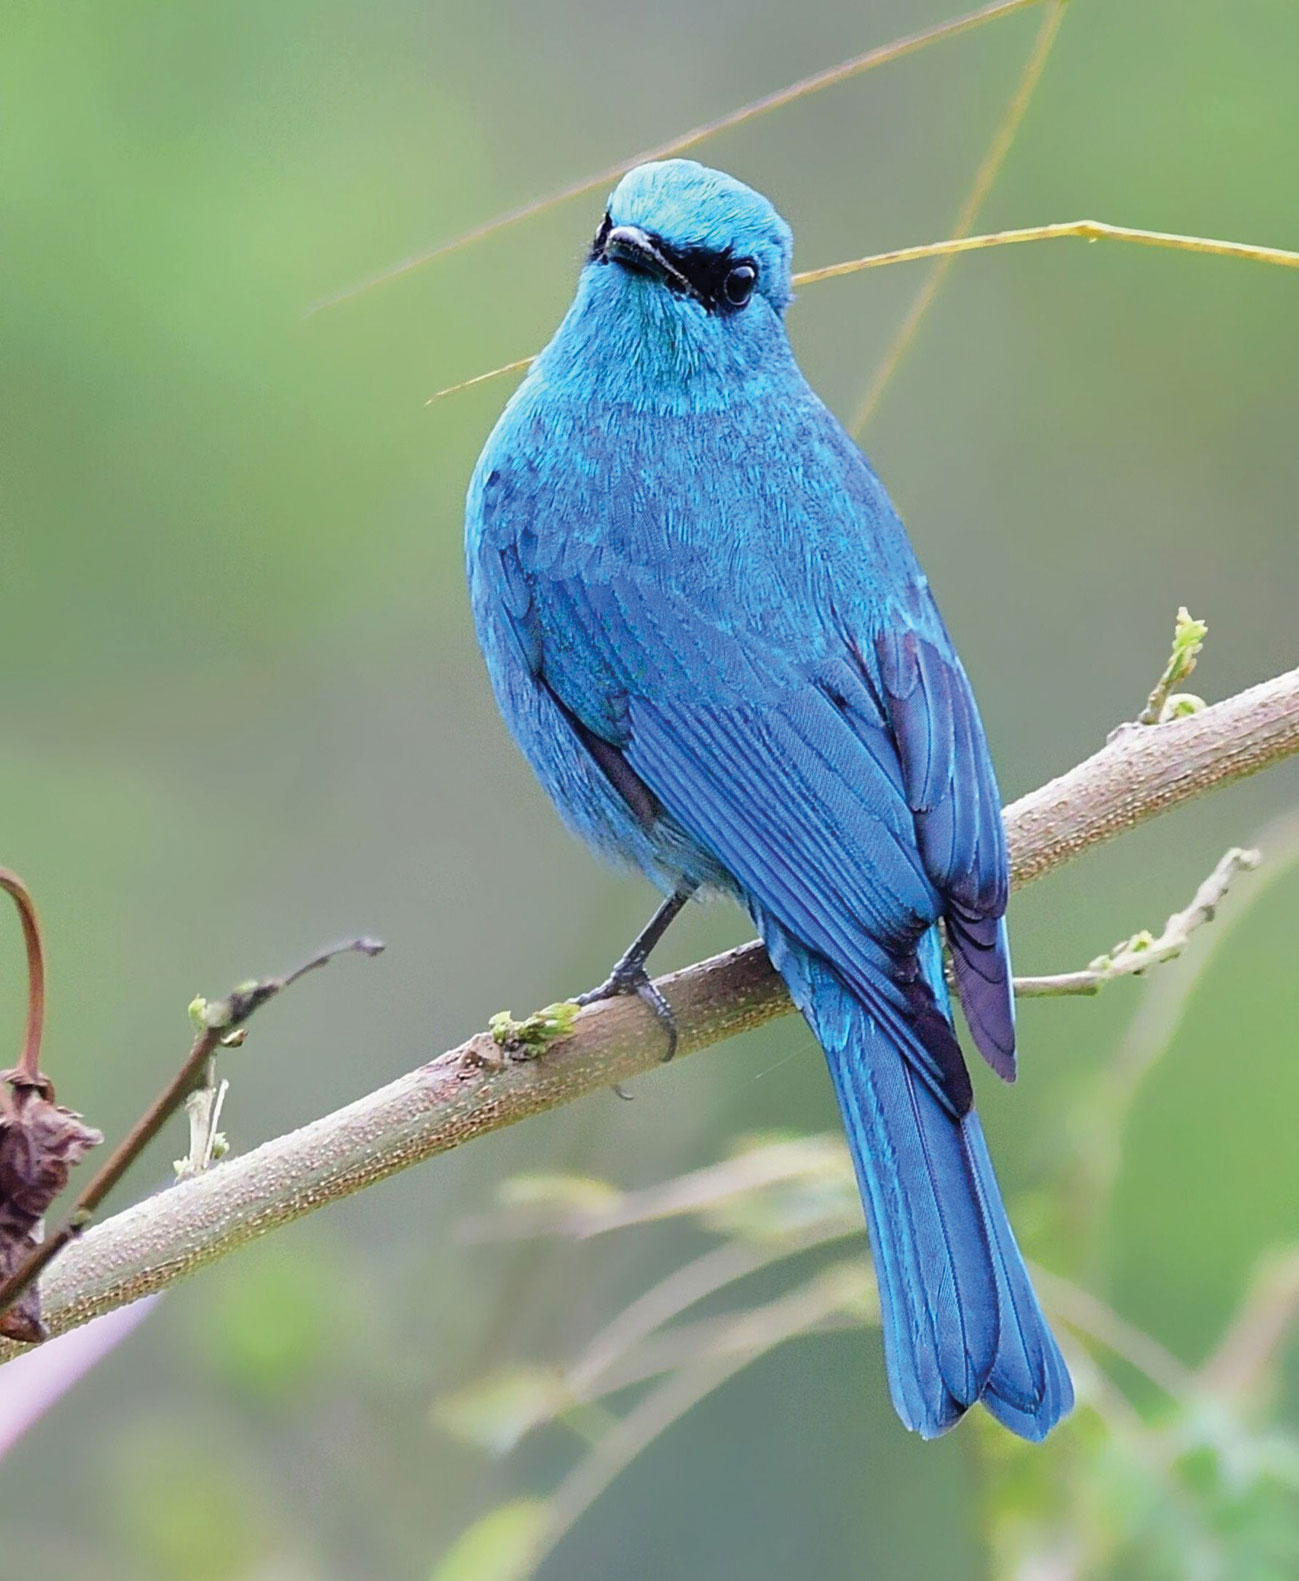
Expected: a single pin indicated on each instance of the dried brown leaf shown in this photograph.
(40, 1141)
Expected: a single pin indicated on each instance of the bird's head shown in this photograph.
(685, 286)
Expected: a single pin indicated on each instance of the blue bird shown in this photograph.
(707, 630)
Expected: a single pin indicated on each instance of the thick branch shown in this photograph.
(474, 1089)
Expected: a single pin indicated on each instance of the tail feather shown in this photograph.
(961, 1322)
(941, 1302)
(1029, 1389)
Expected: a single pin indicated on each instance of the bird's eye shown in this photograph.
(738, 285)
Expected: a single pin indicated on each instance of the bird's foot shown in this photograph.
(630, 977)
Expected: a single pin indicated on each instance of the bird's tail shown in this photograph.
(961, 1322)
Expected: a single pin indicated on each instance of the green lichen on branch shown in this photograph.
(535, 1034)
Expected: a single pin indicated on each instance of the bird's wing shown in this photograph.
(952, 791)
(803, 806)
(789, 772)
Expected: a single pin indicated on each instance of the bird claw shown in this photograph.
(632, 978)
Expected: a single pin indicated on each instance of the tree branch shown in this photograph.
(217, 1025)
(478, 1088)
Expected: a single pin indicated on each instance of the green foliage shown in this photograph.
(184, 1506)
(1199, 1496)
(775, 1212)
(557, 1192)
(499, 1547)
(497, 1412)
(270, 1331)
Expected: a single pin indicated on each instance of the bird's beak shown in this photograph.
(629, 245)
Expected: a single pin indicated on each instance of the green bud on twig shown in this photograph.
(538, 1031)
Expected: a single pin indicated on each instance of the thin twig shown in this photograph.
(1086, 230)
(706, 1275)
(220, 1021)
(698, 1191)
(472, 1090)
(659, 1350)
(707, 1339)
(963, 224)
(832, 75)
(1248, 1351)
(1138, 954)
(782, 1319)
(28, 1069)
(1089, 1315)
(519, 365)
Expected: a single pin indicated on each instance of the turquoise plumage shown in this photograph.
(708, 632)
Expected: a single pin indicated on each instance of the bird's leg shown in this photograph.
(629, 975)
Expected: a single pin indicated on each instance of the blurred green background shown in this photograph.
(244, 712)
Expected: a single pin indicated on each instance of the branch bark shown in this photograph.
(474, 1089)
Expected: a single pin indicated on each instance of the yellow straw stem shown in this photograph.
(1086, 230)
(963, 224)
(828, 78)
(481, 378)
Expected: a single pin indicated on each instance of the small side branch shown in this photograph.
(1131, 957)
(219, 1024)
